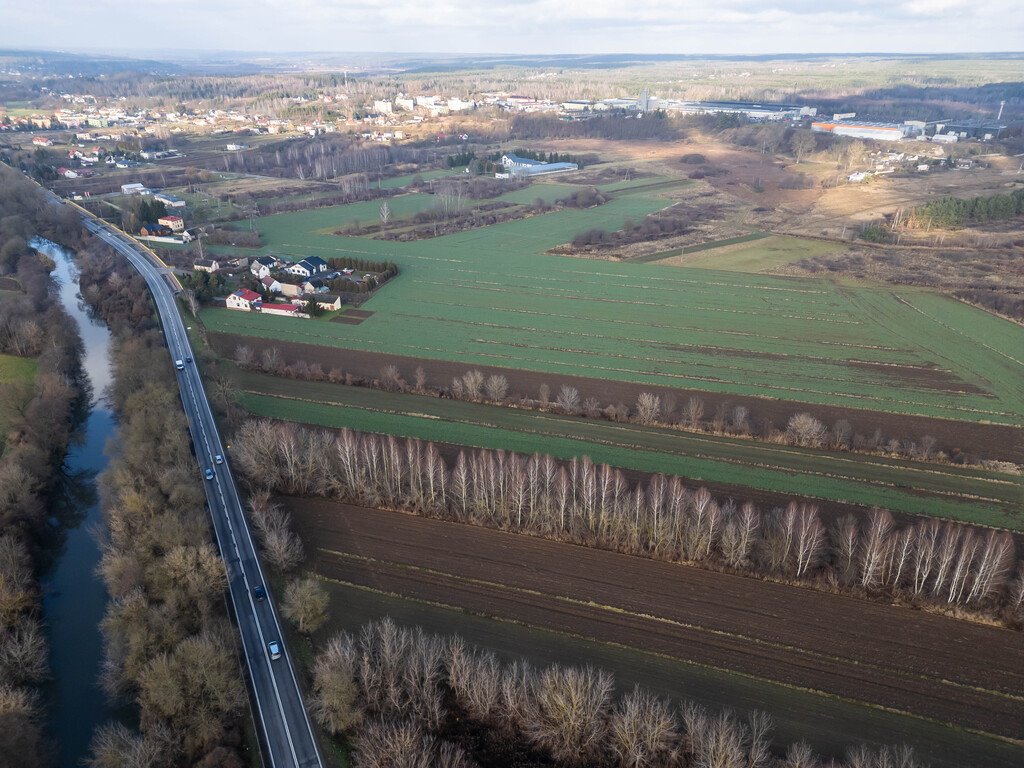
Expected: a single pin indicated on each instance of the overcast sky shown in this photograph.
(518, 26)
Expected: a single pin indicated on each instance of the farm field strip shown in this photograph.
(397, 182)
(828, 723)
(799, 381)
(758, 628)
(757, 254)
(974, 362)
(501, 278)
(898, 693)
(387, 562)
(663, 256)
(908, 487)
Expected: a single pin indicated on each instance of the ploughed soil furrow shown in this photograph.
(991, 441)
(965, 708)
(952, 671)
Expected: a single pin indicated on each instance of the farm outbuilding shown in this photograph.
(524, 166)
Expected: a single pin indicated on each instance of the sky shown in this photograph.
(517, 26)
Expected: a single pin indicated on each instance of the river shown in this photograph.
(74, 597)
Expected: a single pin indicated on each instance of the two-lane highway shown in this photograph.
(288, 736)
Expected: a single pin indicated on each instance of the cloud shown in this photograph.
(520, 26)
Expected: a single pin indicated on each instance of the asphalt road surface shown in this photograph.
(288, 738)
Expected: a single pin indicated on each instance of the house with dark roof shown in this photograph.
(262, 265)
(308, 267)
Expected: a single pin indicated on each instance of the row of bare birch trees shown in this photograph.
(396, 690)
(931, 561)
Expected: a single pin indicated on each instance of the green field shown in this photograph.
(759, 254)
(829, 724)
(398, 182)
(958, 493)
(493, 296)
(16, 377)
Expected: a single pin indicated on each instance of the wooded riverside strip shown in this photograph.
(41, 401)
(170, 646)
(412, 698)
(951, 566)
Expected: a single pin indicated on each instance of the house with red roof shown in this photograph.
(243, 300)
(287, 310)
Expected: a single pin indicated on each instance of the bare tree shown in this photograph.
(800, 755)
(544, 394)
(391, 378)
(802, 143)
(191, 301)
(568, 400)
(305, 603)
(694, 414)
(282, 548)
(335, 701)
(874, 548)
(385, 214)
(496, 387)
(648, 408)
(644, 732)
(115, 746)
(420, 379)
(803, 429)
(570, 713)
(473, 382)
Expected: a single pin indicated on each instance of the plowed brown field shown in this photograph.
(949, 671)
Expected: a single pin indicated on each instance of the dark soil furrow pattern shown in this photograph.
(943, 669)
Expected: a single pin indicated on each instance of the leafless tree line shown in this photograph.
(654, 409)
(930, 561)
(168, 643)
(24, 658)
(395, 689)
(38, 417)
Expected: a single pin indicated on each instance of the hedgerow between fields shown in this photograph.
(941, 565)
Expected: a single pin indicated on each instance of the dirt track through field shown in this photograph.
(946, 670)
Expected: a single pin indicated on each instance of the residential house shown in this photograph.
(262, 265)
(67, 173)
(173, 223)
(41, 141)
(328, 301)
(313, 285)
(243, 300)
(205, 265)
(308, 267)
(270, 284)
(291, 290)
(150, 229)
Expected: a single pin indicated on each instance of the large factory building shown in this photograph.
(864, 130)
